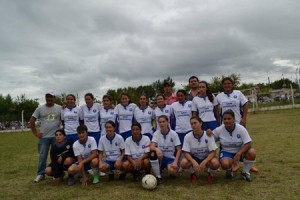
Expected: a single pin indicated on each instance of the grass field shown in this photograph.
(275, 137)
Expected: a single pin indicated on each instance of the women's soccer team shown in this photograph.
(178, 134)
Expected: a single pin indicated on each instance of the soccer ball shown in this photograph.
(149, 182)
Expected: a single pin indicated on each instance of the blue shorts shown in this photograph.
(149, 135)
(165, 162)
(72, 137)
(181, 137)
(210, 125)
(111, 164)
(126, 134)
(198, 160)
(95, 135)
(224, 154)
(87, 166)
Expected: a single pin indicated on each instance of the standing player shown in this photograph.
(107, 113)
(236, 146)
(170, 97)
(182, 112)
(49, 114)
(91, 116)
(144, 115)
(71, 117)
(137, 150)
(206, 107)
(85, 150)
(199, 151)
(194, 85)
(62, 156)
(165, 143)
(161, 109)
(124, 112)
(112, 144)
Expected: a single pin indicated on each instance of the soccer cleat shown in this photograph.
(71, 181)
(96, 180)
(111, 177)
(194, 178)
(159, 180)
(136, 175)
(246, 176)
(210, 178)
(254, 169)
(39, 178)
(122, 176)
(102, 174)
(229, 174)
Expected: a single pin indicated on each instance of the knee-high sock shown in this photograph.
(247, 165)
(155, 167)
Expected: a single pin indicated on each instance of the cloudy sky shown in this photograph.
(94, 45)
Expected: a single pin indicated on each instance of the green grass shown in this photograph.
(275, 137)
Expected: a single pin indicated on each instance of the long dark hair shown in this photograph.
(208, 92)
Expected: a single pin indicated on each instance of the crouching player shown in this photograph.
(165, 143)
(62, 157)
(137, 148)
(199, 152)
(112, 144)
(85, 150)
(236, 146)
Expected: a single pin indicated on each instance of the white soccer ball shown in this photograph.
(149, 182)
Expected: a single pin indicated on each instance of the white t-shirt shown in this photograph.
(91, 117)
(145, 118)
(106, 115)
(125, 116)
(234, 101)
(137, 149)
(233, 141)
(84, 150)
(183, 114)
(112, 148)
(167, 110)
(167, 143)
(71, 119)
(199, 148)
(205, 108)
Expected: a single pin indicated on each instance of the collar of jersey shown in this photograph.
(143, 109)
(89, 107)
(61, 145)
(165, 135)
(71, 108)
(230, 132)
(182, 103)
(112, 138)
(162, 107)
(199, 139)
(228, 94)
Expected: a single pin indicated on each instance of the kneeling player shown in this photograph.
(199, 151)
(85, 150)
(112, 144)
(165, 143)
(137, 148)
(62, 157)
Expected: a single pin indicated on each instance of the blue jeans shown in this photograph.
(43, 149)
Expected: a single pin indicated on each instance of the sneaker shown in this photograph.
(102, 174)
(39, 178)
(159, 180)
(246, 176)
(229, 174)
(71, 181)
(122, 176)
(96, 180)
(135, 176)
(194, 178)
(254, 169)
(111, 177)
(210, 178)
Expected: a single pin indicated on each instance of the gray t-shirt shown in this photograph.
(50, 119)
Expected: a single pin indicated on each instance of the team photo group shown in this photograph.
(193, 132)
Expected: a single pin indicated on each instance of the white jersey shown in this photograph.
(183, 114)
(199, 148)
(137, 149)
(234, 101)
(145, 118)
(205, 108)
(167, 111)
(125, 116)
(85, 150)
(71, 119)
(167, 143)
(91, 117)
(112, 148)
(106, 115)
(233, 141)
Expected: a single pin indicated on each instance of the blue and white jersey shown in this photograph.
(233, 141)
(85, 150)
(182, 113)
(199, 147)
(112, 148)
(205, 108)
(106, 115)
(71, 118)
(167, 110)
(167, 143)
(91, 117)
(125, 116)
(234, 101)
(145, 118)
(137, 149)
